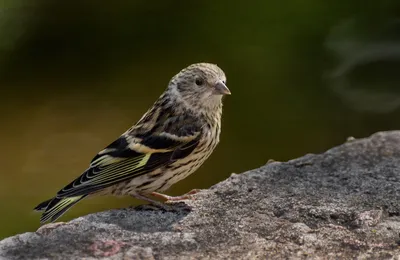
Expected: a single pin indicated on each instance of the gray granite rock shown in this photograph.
(342, 204)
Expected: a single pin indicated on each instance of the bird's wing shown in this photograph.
(135, 153)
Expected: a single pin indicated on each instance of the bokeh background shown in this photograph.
(74, 75)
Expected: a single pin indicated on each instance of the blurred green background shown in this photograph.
(74, 75)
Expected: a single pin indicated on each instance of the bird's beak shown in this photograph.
(221, 88)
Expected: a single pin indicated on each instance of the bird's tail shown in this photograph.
(42, 206)
(55, 207)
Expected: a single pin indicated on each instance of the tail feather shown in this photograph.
(58, 206)
(42, 206)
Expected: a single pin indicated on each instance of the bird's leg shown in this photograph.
(151, 201)
(175, 198)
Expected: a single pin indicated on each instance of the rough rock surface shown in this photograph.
(342, 204)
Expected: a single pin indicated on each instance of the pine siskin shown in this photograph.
(166, 145)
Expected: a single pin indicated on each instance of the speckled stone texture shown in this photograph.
(342, 204)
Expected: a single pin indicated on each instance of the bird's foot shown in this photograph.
(173, 199)
(152, 202)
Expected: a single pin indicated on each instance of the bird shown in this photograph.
(168, 143)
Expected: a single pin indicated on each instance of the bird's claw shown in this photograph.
(175, 199)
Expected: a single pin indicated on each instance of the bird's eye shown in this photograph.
(199, 82)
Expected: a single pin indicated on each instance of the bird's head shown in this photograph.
(200, 85)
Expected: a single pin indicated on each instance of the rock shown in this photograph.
(342, 204)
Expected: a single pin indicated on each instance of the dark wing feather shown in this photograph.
(124, 159)
(118, 148)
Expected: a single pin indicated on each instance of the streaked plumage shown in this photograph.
(172, 140)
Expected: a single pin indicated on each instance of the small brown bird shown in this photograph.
(172, 140)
